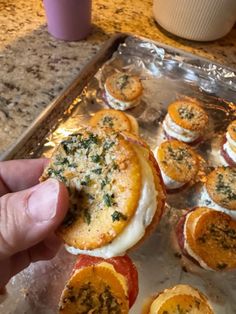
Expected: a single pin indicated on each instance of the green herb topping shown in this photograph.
(108, 121)
(123, 81)
(96, 158)
(186, 113)
(97, 171)
(225, 188)
(108, 199)
(117, 216)
(87, 217)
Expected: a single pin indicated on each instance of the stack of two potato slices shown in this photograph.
(185, 121)
(208, 234)
(116, 199)
(228, 150)
(179, 165)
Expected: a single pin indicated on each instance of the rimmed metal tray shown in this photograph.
(167, 74)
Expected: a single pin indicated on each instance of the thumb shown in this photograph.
(28, 217)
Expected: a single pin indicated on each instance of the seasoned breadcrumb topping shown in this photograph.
(177, 160)
(221, 186)
(124, 87)
(189, 115)
(102, 173)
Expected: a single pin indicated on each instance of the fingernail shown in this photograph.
(42, 203)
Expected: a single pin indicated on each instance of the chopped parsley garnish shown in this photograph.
(186, 113)
(89, 300)
(178, 154)
(123, 81)
(108, 199)
(87, 217)
(225, 189)
(117, 216)
(73, 165)
(104, 182)
(222, 235)
(108, 121)
(56, 173)
(107, 145)
(97, 171)
(86, 180)
(63, 161)
(86, 143)
(96, 158)
(68, 145)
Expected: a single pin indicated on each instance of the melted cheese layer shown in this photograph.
(205, 199)
(229, 151)
(170, 183)
(142, 218)
(120, 105)
(176, 131)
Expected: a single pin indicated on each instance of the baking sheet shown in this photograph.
(167, 75)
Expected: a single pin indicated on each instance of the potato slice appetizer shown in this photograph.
(102, 172)
(114, 119)
(188, 114)
(211, 235)
(116, 192)
(186, 120)
(228, 150)
(221, 187)
(178, 162)
(95, 289)
(209, 239)
(123, 91)
(179, 299)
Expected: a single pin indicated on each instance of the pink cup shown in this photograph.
(68, 19)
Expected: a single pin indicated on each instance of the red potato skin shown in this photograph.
(122, 264)
(225, 155)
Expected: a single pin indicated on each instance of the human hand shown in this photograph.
(29, 215)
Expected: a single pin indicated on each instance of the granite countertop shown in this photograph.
(35, 67)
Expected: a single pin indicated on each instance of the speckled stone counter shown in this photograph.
(35, 67)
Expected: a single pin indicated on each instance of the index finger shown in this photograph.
(17, 175)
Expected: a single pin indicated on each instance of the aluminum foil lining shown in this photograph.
(167, 74)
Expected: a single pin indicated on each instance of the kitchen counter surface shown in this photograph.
(35, 67)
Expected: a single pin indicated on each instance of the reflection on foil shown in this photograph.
(167, 75)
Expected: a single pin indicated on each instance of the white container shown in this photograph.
(201, 20)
